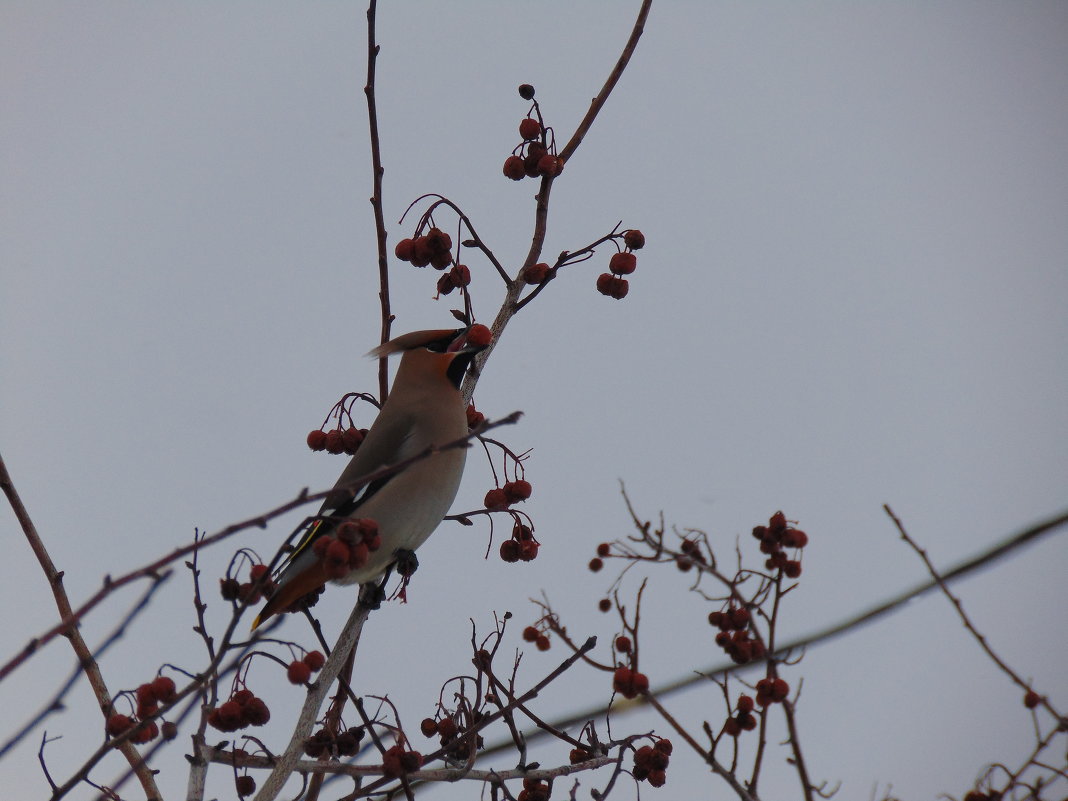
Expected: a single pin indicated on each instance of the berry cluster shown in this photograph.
(511, 492)
(348, 547)
(733, 636)
(540, 640)
(300, 670)
(243, 709)
(774, 538)
(535, 156)
(150, 695)
(396, 761)
(324, 743)
(534, 790)
(743, 719)
(522, 547)
(259, 584)
(628, 682)
(603, 550)
(623, 263)
(457, 747)
(691, 554)
(337, 440)
(433, 248)
(771, 691)
(651, 761)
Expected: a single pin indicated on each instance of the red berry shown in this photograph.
(530, 128)
(657, 778)
(403, 250)
(428, 727)
(164, 689)
(334, 443)
(460, 274)
(447, 728)
(595, 564)
(518, 490)
(510, 551)
(1032, 699)
(526, 91)
(146, 734)
(608, 284)
(792, 569)
(623, 644)
(530, 634)
(623, 263)
(549, 165)
(634, 239)
(478, 336)
(739, 617)
(317, 440)
(536, 273)
(542, 643)
(745, 703)
(780, 689)
(732, 728)
(496, 499)
(604, 604)
(352, 438)
(314, 660)
(514, 168)
(118, 724)
(169, 730)
(475, 418)
(664, 746)
(421, 252)
(528, 550)
(245, 785)
(256, 712)
(604, 549)
(298, 672)
(441, 259)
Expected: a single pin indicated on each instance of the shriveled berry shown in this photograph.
(256, 712)
(526, 91)
(542, 643)
(314, 660)
(792, 569)
(146, 734)
(623, 644)
(514, 168)
(428, 727)
(510, 551)
(447, 728)
(634, 239)
(118, 724)
(614, 287)
(1032, 699)
(164, 689)
(550, 165)
(245, 785)
(745, 703)
(496, 499)
(528, 550)
(475, 418)
(403, 250)
(536, 273)
(317, 440)
(334, 442)
(530, 128)
(169, 730)
(623, 263)
(518, 490)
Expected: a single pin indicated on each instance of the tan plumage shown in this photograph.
(424, 408)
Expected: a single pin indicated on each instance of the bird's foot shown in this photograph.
(407, 563)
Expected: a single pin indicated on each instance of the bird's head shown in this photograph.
(447, 352)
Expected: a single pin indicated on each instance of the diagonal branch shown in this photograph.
(81, 650)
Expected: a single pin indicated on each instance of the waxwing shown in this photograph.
(424, 408)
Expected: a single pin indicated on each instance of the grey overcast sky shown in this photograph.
(853, 293)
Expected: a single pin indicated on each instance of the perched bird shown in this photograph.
(424, 408)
